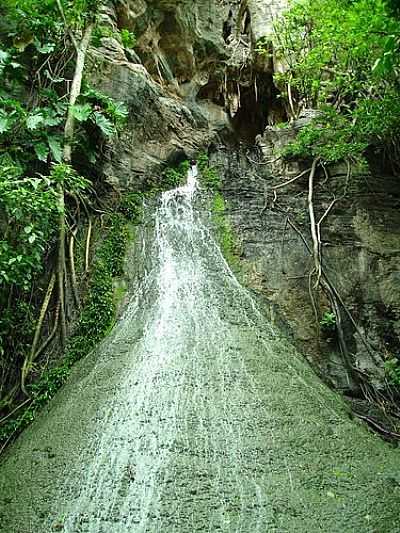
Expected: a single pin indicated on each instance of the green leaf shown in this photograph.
(33, 121)
(55, 148)
(51, 118)
(41, 151)
(81, 112)
(46, 48)
(5, 124)
(105, 125)
(4, 56)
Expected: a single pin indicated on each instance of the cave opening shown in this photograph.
(260, 106)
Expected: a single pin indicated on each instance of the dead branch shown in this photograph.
(377, 426)
(87, 248)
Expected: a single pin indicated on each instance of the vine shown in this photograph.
(97, 319)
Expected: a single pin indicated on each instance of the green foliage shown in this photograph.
(97, 319)
(128, 38)
(16, 331)
(224, 230)
(125, 37)
(131, 207)
(328, 321)
(108, 114)
(392, 368)
(209, 175)
(343, 58)
(27, 221)
(175, 176)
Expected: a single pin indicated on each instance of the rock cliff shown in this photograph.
(195, 82)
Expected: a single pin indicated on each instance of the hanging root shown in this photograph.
(313, 226)
(29, 359)
(51, 336)
(72, 267)
(87, 251)
(293, 179)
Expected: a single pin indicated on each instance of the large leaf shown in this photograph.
(105, 125)
(55, 148)
(119, 110)
(81, 112)
(33, 121)
(42, 151)
(51, 118)
(45, 48)
(5, 123)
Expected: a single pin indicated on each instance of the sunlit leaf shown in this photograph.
(42, 151)
(81, 112)
(55, 148)
(33, 121)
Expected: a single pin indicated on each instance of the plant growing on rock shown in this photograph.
(343, 59)
(45, 119)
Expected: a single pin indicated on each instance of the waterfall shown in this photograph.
(197, 415)
(175, 449)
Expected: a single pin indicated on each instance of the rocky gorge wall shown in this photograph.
(195, 82)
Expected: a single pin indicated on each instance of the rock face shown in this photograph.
(195, 80)
(360, 249)
(193, 75)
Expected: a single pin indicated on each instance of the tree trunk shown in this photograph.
(69, 131)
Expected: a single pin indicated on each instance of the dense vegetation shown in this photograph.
(53, 124)
(342, 58)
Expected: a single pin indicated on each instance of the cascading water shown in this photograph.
(176, 450)
(194, 415)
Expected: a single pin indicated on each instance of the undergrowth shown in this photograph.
(96, 321)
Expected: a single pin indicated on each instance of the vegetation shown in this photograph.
(328, 321)
(175, 175)
(209, 175)
(225, 233)
(340, 64)
(392, 368)
(96, 320)
(343, 59)
(51, 133)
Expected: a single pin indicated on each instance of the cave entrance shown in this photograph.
(260, 106)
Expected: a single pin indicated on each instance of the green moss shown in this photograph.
(209, 176)
(225, 234)
(96, 321)
(120, 290)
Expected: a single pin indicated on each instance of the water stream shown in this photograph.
(175, 446)
(196, 416)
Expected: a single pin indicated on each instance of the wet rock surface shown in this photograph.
(195, 415)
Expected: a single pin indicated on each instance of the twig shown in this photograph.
(292, 180)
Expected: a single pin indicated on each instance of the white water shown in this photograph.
(198, 418)
(186, 441)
